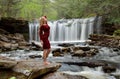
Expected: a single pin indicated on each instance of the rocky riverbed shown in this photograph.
(105, 63)
(100, 56)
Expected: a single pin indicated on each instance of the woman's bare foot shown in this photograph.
(46, 63)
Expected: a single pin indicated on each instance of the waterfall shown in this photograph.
(66, 30)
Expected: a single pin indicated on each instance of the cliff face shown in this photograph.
(13, 25)
(109, 29)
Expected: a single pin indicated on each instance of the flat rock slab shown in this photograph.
(7, 63)
(28, 69)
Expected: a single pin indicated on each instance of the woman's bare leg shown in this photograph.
(48, 51)
(45, 55)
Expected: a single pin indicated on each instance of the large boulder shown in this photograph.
(26, 69)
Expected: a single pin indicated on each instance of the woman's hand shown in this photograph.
(41, 42)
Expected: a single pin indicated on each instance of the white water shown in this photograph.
(91, 73)
(67, 30)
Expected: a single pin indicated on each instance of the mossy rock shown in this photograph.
(116, 32)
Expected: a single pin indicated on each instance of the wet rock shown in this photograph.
(26, 69)
(79, 53)
(7, 74)
(37, 44)
(35, 56)
(117, 76)
(23, 43)
(115, 49)
(24, 47)
(3, 31)
(7, 64)
(81, 48)
(14, 46)
(33, 69)
(16, 41)
(57, 52)
(61, 51)
(109, 69)
(92, 52)
(66, 45)
(6, 45)
(3, 38)
(86, 53)
(105, 40)
(66, 50)
(19, 36)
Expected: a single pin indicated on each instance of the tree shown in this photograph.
(109, 9)
(36, 8)
(70, 8)
(9, 8)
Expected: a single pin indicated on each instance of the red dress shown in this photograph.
(44, 34)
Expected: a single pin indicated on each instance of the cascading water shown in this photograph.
(66, 30)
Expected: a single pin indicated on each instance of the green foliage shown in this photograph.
(117, 32)
(110, 9)
(57, 9)
(70, 8)
(12, 78)
(9, 8)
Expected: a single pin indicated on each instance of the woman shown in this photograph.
(44, 32)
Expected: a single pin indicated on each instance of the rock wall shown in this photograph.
(105, 40)
(13, 25)
(109, 28)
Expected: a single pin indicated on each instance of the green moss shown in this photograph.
(116, 32)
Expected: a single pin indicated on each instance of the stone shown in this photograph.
(57, 52)
(66, 45)
(7, 64)
(3, 31)
(36, 44)
(6, 45)
(66, 50)
(33, 69)
(79, 53)
(105, 40)
(109, 69)
(4, 38)
(28, 69)
(35, 56)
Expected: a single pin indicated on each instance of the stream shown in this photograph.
(109, 55)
